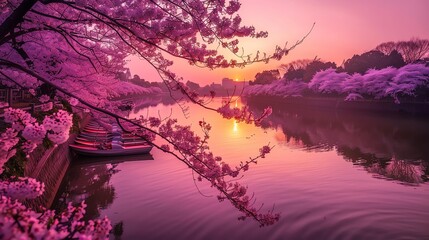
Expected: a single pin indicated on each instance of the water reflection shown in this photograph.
(143, 103)
(391, 147)
(320, 195)
(89, 184)
(89, 180)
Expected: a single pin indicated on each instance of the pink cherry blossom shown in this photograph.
(34, 132)
(21, 188)
(20, 222)
(44, 98)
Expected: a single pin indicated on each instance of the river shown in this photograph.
(331, 175)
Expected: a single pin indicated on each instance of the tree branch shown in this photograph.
(16, 17)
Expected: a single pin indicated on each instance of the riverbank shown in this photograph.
(338, 103)
(49, 165)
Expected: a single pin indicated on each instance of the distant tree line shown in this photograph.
(388, 54)
(374, 59)
(393, 70)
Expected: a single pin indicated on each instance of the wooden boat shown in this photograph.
(95, 135)
(90, 137)
(96, 131)
(95, 140)
(98, 142)
(92, 143)
(114, 151)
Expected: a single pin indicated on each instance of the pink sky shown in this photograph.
(343, 28)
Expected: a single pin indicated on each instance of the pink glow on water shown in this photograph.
(312, 176)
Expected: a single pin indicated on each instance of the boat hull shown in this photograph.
(92, 151)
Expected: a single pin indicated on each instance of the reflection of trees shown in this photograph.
(391, 168)
(367, 160)
(90, 183)
(152, 101)
(302, 131)
(404, 171)
(391, 146)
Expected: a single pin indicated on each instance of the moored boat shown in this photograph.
(114, 151)
(95, 140)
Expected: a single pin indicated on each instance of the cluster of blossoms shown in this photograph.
(264, 150)
(34, 132)
(26, 133)
(8, 140)
(21, 188)
(154, 122)
(23, 79)
(44, 98)
(18, 118)
(58, 126)
(20, 222)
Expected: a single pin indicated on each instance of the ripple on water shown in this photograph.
(307, 213)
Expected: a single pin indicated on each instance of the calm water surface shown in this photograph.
(331, 176)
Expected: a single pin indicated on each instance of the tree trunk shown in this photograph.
(16, 17)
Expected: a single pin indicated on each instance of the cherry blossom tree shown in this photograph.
(78, 47)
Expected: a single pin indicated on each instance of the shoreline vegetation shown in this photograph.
(408, 83)
(404, 89)
(381, 106)
(393, 77)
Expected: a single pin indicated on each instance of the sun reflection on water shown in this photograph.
(235, 127)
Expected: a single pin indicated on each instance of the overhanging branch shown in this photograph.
(16, 17)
